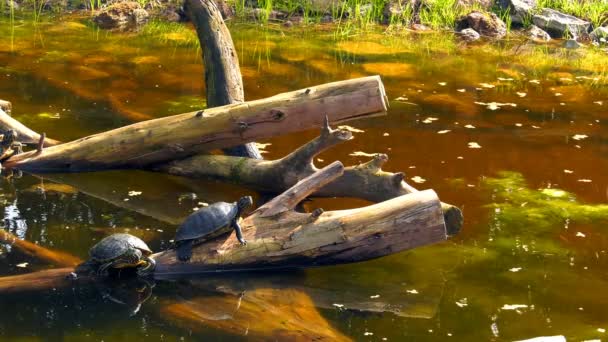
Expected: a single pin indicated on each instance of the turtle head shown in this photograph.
(244, 202)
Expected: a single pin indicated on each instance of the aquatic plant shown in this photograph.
(521, 209)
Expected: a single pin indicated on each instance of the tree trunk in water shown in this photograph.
(278, 237)
(223, 80)
(161, 140)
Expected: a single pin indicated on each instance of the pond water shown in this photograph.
(512, 132)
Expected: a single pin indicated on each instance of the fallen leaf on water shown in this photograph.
(362, 154)
(462, 303)
(351, 129)
(579, 234)
(474, 145)
(558, 94)
(385, 135)
(22, 265)
(515, 269)
(521, 94)
(580, 136)
(469, 126)
(134, 193)
(444, 131)
(338, 305)
(412, 291)
(518, 124)
(495, 105)
(443, 84)
(429, 120)
(513, 306)
(585, 180)
(568, 171)
(320, 160)
(367, 333)
(487, 85)
(418, 179)
(461, 90)
(375, 296)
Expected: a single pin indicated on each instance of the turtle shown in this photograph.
(9, 143)
(210, 222)
(121, 251)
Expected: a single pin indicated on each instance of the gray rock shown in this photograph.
(486, 24)
(519, 9)
(485, 4)
(537, 34)
(572, 44)
(122, 16)
(558, 24)
(599, 33)
(469, 35)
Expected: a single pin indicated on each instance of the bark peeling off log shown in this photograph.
(149, 142)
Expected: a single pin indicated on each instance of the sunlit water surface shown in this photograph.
(513, 133)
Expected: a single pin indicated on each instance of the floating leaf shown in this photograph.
(22, 265)
(362, 154)
(443, 131)
(134, 193)
(473, 144)
(469, 126)
(513, 306)
(418, 179)
(461, 90)
(521, 94)
(580, 136)
(487, 85)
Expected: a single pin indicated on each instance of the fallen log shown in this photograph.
(366, 181)
(25, 135)
(175, 137)
(278, 237)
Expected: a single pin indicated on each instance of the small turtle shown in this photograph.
(210, 222)
(9, 142)
(121, 251)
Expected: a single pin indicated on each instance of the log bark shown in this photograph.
(366, 181)
(223, 81)
(161, 140)
(278, 237)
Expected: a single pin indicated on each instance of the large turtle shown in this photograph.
(121, 251)
(210, 222)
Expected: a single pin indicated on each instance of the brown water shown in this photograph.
(529, 262)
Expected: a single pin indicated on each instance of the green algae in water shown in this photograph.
(521, 209)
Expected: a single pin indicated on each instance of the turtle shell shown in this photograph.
(114, 246)
(206, 221)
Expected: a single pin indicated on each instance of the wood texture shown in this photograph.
(223, 81)
(161, 140)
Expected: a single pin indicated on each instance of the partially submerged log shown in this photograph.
(46, 255)
(25, 135)
(278, 237)
(174, 137)
(366, 181)
(223, 81)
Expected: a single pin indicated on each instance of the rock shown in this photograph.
(469, 34)
(558, 24)
(226, 10)
(520, 10)
(537, 34)
(419, 27)
(171, 14)
(326, 19)
(395, 9)
(572, 44)
(598, 34)
(486, 24)
(122, 16)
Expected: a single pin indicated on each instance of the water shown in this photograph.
(512, 133)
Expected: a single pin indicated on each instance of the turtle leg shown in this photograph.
(184, 250)
(148, 269)
(239, 232)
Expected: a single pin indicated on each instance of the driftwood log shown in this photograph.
(366, 181)
(278, 237)
(179, 136)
